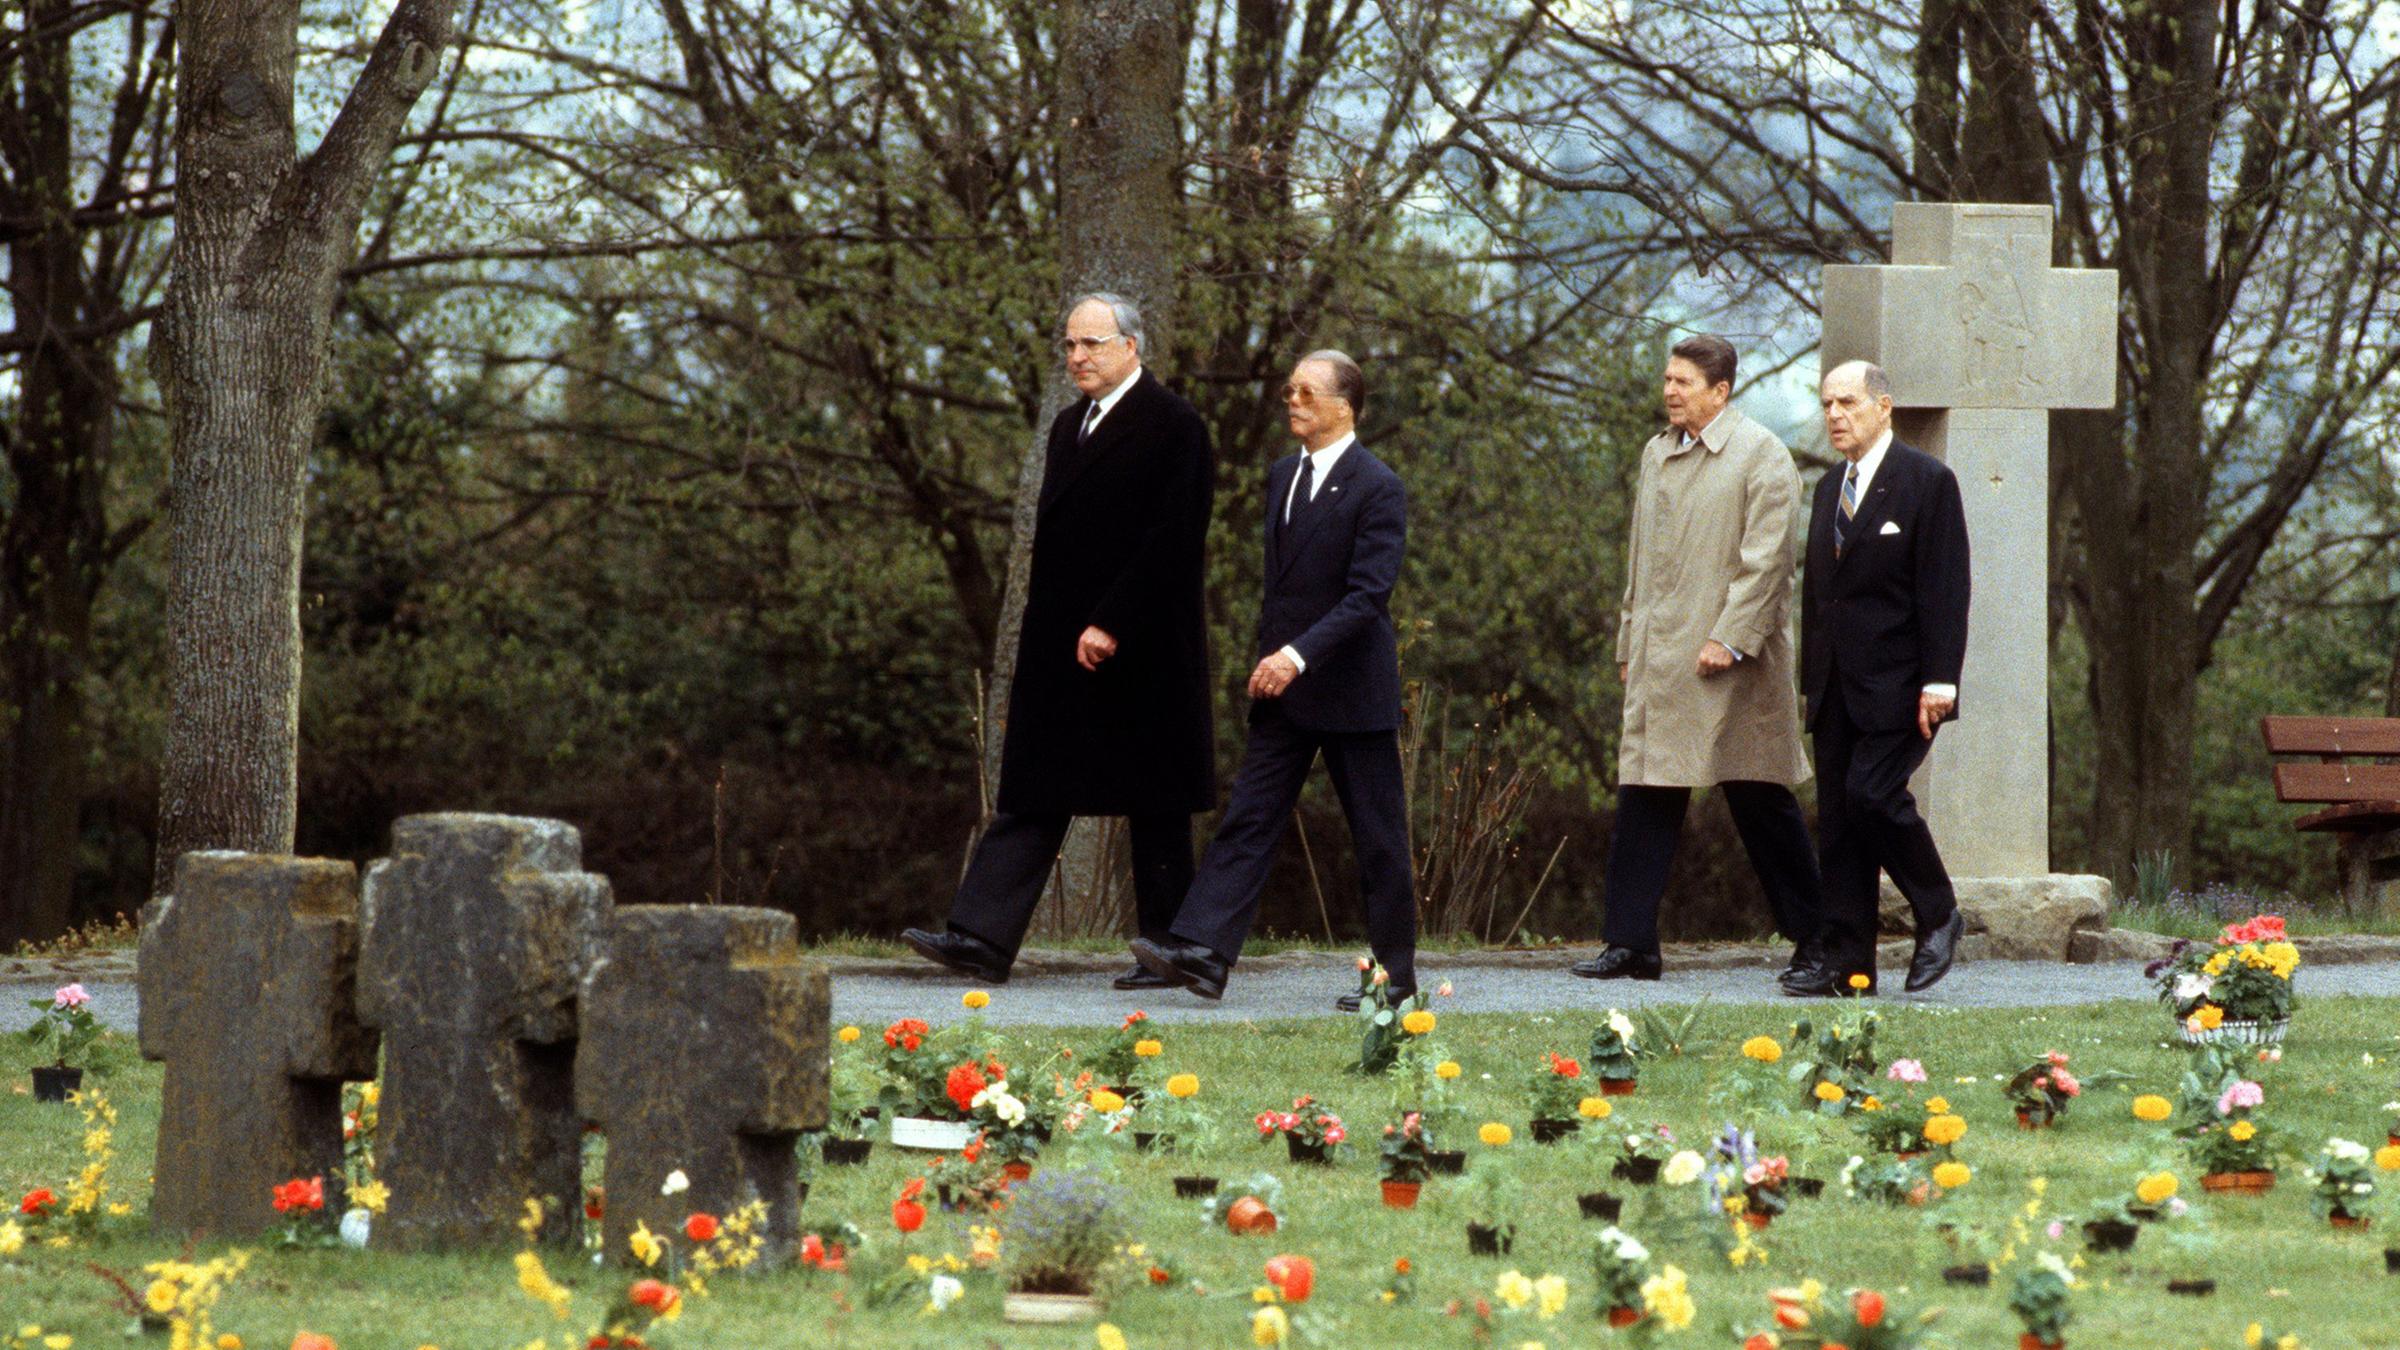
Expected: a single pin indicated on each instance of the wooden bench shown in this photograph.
(2362, 797)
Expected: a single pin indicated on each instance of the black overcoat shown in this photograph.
(1118, 545)
(1889, 616)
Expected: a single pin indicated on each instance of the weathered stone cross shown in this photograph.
(246, 975)
(1981, 338)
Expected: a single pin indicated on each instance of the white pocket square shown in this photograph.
(1890, 527)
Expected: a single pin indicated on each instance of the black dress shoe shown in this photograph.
(1349, 1002)
(1823, 982)
(962, 952)
(1935, 951)
(1804, 956)
(1140, 978)
(1185, 965)
(1620, 963)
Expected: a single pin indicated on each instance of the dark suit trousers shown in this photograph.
(1365, 767)
(1867, 822)
(1012, 862)
(1649, 823)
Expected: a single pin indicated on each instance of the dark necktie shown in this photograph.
(1090, 419)
(1300, 494)
(1842, 522)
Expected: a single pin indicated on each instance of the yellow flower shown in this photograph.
(2155, 1189)
(57, 1340)
(538, 1285)
(2216, 964)
(2242, 1131)
(2210, 1016)
(645, 1244)
(1666, 1296)
(1763, 1049)
(1513, 1289)
(1495, 1134)
(1951, 1175)
(1106, 1102)
(1594, 1108)
(2283, 958)
(846, 1035)
(1829, 1091)
(1447, 1069)
(1859, 981)
(160, 1297)
(1264, 1293)
(372, 1197)
(2152, 1107)
(1417, 1023)
(1148, 1049)
(1183, 1085)
(12, 1238)
(1550, 1296)
(1943, 1131)
(2388, 1157)
(975, 1000)
(1871, 1103)
(1937, 1106)
(1268, 1326)
(2253, 1334)
(1108, 1337)
(229, 1341)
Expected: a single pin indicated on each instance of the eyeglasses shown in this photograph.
(1304, 395)
(1089, 346)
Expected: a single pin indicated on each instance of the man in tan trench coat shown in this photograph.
(1705, 653)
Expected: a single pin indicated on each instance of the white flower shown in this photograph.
(1683, 1169)
(2363, 1187)
(1005, 1108)
(2049, 1261)
(1621, 1024)
(2191, 987)
(944, 1291)
(2347, 1150)
(677, 1183)
(356, 1225)
(1626, 1245)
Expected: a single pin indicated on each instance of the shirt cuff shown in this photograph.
(1737, 652)
(1295, 658)
(1948, 691)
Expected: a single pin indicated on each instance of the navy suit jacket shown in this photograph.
(1330, 574)
(1889, 616)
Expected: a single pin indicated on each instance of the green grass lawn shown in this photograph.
(2272, 1259)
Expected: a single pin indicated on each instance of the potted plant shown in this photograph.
(1641, 1152)
(1118, 1060)
(1835, 1065)
(1553, 1087)
(65, 1030)
(1172, 1114)
(2039, 1299)
(1057, 1235)
(1251, 1208)
(1619, 1265)
(931, 1080)
(1612, 1055)
(1421, 1077)
(2391, 1127)
(1387, 1027)
(1491, 1195)
(2238, 988)
(2041, 1090)
(1896, 1125)
(1309, 1135)
(2112, 1225)
(854, 1089)
(2233, 1151)
(1890, 1179)
(2343, 1183)
(1404, 1164)
(969, 1181)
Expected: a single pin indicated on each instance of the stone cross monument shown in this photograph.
(247, 969)
(1982, 337)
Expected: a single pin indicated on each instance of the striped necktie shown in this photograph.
(1841, 527)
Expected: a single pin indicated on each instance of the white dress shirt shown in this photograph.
(1321, 462)
(1868, 463)
(1099, 410)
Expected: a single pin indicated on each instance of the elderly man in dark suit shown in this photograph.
(1327, 683)
(1109, 714)
(1883, 634)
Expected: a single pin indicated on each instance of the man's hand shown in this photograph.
(1931, 709)
(1273, 676)
(1715, 658)
(1093, 648)
(1624, 670)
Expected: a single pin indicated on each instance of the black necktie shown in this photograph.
(1301, 494)
(1090, 419)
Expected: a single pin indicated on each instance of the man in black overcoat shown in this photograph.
(1109, 713)
(1327, 683)
(1883, 635)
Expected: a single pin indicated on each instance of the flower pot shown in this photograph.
(1148, 1140)
(1483, 1241)
(1551, 1131)
(2110, 1235)
(1616, 1087)
(2192, 1288)
(52, 1084)
(1448, 1162)
(1305, 1151)
(1639, 1171)
(1977, 1274)
(1757, 1218)
(1194, 1188)
(1809, 1187)
(2251, 1183)
(1600, 1205)
(2029, 1341)
(1401, 1194)
(847, 1152)
(1904, 1154)
(1020, 1170)
(1250, 1215)
(1048, 1309)
(1621, 1318)
(938, 1136)
(2241, 1031)
(2391, 1260)
(2347, 1220)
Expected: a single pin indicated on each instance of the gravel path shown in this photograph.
(1075, 992)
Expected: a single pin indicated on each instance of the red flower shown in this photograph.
(907, 1034)
(812, 1250)
(1565, 1067)
(1159, 1275)
(309, 1340)
(907, 1214)
(1137, 1015)
(654, 1295)
(973, 1152)
(1868, 1305)
(1401, 1266)
(1293, 1277)
(38, 1202)
(298, 1194)
(964, 1082)
(701, 1227)
(594, 1204)
(1761, 1341)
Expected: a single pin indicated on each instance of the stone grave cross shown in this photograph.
(247, 970)
(705, 1051)
(1981, 338)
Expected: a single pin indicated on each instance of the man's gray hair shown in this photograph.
(1871, 378)
(1349, 382)
(1127, 314)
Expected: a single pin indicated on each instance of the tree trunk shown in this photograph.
(260, 240)
(1119, 81)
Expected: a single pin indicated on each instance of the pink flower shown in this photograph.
(1335, 1134)
(1906, 1071)
(1754, 1174)
(2056, 1228)
(2057, 1058)
(1364, 963)
(2243, 1093)
(1265, 1122)
(1382, 977)
(2067, 1084)
(1443, 991)
(71, 996)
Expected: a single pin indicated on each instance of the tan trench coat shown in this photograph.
(1711, 556)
